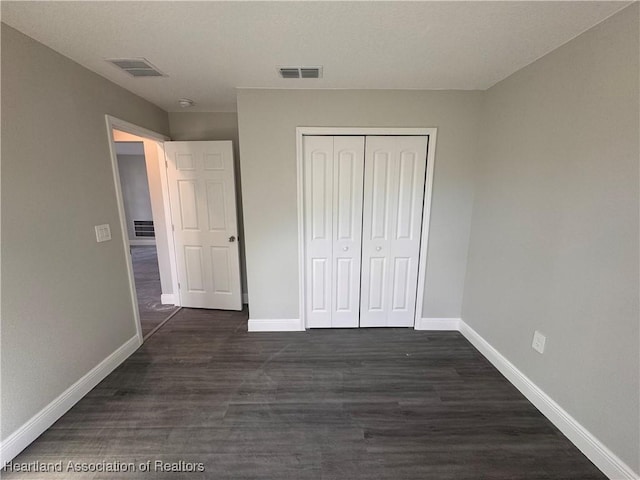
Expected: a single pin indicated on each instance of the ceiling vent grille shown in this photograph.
(300, 72)
(136, 67)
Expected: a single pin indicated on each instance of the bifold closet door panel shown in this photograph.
(333, 174)
(392, 219)
(348, 178)
(318, 205)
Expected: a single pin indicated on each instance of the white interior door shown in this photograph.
(333, 171)
(392, 219)
(205, 228)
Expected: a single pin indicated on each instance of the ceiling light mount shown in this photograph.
(186, 102)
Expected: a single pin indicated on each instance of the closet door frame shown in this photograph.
(301, 132)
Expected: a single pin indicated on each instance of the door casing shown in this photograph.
(431, 133)
(122, 125)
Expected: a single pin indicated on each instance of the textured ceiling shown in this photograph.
(208, 49)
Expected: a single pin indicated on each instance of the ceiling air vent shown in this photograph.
(136, 67)
(300, 72)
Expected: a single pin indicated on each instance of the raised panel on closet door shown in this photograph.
(377, 211)
(348, 164)
(393, 198)
(318, 206)
(407, 228)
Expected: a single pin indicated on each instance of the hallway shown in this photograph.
(147, 276)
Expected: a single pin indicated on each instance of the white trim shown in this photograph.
(426, 219)
(437, 324)
(363, 131)
(167, 299)
(300, 132)
(41, 421)
(148, 242)
(275, 325)
(245, 299)
(168, 221)
(612, 466)
(430, 133)
(155, 150)
(123, 227)
(122, 125)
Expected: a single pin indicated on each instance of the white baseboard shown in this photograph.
(612, 466)
(245, 299)
(168, 299)
(437, 324)
(27, 433)
(275, 325)
(147, 242)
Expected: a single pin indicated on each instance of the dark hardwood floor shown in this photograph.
(323, 404)
(148, 290)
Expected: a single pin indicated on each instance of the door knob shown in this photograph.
(378, 249)
(232, 238)
(345, 248)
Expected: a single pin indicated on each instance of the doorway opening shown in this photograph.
(137, 175)
(137, 158)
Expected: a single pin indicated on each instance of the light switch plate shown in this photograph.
(538, 342)
(103, 232)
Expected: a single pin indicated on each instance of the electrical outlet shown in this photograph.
(538, 342)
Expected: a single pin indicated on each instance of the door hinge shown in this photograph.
(179, 286)
(173, 229)
(166, 164)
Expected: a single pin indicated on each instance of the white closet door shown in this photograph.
(348, 174)
(392, 218)
(333, 170)
(318, 205)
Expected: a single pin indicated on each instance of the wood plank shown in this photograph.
(322, 404)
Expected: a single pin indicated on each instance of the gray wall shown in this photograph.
(268, 121)
(135, 191)
(185, 126)
(66, 304)
(554, 242)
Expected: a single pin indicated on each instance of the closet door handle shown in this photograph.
(378, 249)
(346, 249)
(232, 238)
